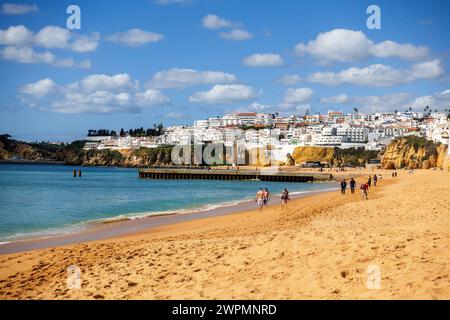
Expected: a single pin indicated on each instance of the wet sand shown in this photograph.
(318, 247)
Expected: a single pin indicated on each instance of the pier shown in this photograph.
(218, 174)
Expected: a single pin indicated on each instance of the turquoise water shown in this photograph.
(39, 200)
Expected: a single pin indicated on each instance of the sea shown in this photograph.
(45, 200)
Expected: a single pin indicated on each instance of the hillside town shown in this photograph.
(284, 133)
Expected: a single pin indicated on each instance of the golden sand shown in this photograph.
(319, 247)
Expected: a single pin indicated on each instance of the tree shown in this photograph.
(122, 133)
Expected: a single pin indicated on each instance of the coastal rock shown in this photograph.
(415, 153)
(333, 156)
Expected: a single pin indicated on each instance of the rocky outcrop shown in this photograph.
(74, 154)
(333, 156)
(10, 148)
(306, 154)
(415, 153)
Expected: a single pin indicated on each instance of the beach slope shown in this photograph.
(319, 247)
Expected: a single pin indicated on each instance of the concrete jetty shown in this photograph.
(232, 174)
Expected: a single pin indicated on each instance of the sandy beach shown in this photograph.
(318, 247)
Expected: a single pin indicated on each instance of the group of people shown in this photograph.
(263, 196)
(364, 186)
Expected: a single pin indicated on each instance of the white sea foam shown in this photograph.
(141, 215)
(79, 227)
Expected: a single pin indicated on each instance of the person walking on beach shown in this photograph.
(352, 185)
(284, 197)
(375, 180)
(266, 197)
(369, 182)
(395, 174)
(365, 191)
(343, 186)
(260, 198)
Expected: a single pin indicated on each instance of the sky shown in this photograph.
(140, 62)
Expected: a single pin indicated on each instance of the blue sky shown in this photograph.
(137, 63)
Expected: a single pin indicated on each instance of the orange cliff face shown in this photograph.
(415, 153)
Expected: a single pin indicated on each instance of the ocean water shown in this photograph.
(42, 200)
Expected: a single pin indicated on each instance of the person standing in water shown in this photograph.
(260, 198)
(352, 185)
(284, 197)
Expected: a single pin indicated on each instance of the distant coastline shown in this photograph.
(33, 162)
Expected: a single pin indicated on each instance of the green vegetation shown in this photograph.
(354, 156)
(153, 156)
(419, 142)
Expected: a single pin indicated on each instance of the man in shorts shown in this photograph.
(260, 198)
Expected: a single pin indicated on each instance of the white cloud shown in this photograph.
(340, 98)
(151, 97)
(16, 36)
(297, 95)
(93, 94)
(439, 100)
(236, 35)
(135, 37)
(18, 9)
(84, 43)
(29, 55)
(390, 102)
(52, 37)
(288, 108)
(39, 88)
(345, 45)
(212, 21)
(235, 32)
(427, 70)
(263, 60)
(49, 37)
(182, 78)
(224, 94)
(289, 79)
(379, 75)
(401, 101)
(115, 82)
(389, 48)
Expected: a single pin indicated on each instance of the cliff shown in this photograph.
(10, 148)
(74, 154)
(415, 153)
(333, 156)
